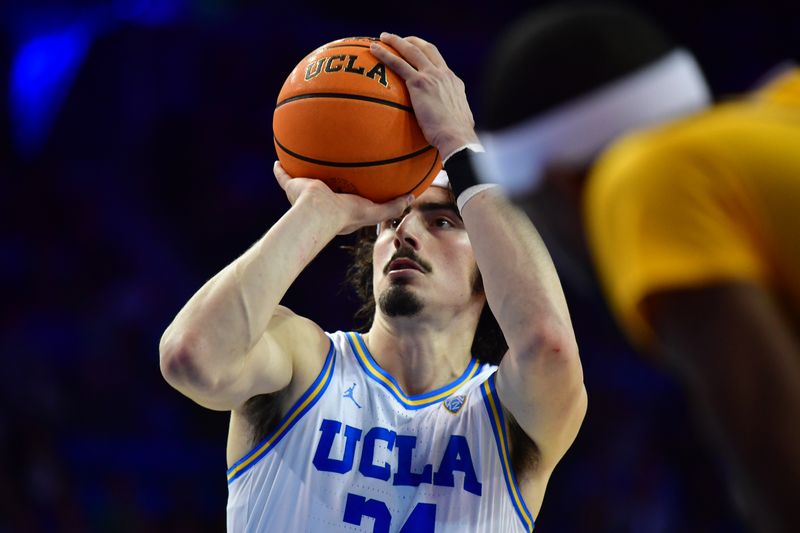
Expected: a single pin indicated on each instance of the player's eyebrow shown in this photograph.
(428, 207)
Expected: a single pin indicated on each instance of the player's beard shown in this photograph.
(398, 300)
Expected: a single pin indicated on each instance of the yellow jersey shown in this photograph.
(707, 199)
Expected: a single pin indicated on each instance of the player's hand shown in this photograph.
(351, 211)
(437, 94)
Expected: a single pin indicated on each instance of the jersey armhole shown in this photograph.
(292, 416)
(494, 410)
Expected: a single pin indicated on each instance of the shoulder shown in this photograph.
(667, 152)
(301, 337)
(680, 161)
(646, 150)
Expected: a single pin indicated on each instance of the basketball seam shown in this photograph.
(346, 46)
(346, 96)
(352, 165)
(433, 165)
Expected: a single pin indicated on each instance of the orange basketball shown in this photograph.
(343, 117)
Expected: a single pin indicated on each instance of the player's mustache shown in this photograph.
(407, 253)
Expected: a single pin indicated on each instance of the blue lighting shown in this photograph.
(42, 71)
(149, 12)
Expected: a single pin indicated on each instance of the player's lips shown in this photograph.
(404, 264)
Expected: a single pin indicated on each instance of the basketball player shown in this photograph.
(693, 224)
(402, 428)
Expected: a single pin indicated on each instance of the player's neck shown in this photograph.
(420, 355)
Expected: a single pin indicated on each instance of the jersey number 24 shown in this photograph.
(421, 519)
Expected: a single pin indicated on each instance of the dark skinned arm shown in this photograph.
(739, 360)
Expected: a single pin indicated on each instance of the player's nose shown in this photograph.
(408, 231)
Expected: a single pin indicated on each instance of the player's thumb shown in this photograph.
(399, 204)
(387, 210)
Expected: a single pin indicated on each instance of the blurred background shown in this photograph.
(135, 162)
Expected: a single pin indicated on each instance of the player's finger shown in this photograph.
(398, 65)
(410, 52)
(390, 209)
(281, 175)
(429, 49)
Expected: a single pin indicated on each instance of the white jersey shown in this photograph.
(355, 453)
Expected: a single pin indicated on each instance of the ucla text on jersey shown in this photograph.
(355, 453)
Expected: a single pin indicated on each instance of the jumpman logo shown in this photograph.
(349, 394)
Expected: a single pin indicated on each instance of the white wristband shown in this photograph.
(470, 192)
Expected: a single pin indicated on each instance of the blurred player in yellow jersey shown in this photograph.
(691, 217)
(695, 231)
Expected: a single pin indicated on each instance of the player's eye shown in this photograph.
(442, 222)
(391, 223)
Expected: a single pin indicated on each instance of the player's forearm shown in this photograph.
(522, 287)
(540, 380)
(222, 322)
(752, 413)
(742, 370)
(740, 361)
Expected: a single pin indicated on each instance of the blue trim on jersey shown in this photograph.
(292, 416)
(374, 371)
(497, 420)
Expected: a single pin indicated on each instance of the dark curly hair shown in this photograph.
(488, 345)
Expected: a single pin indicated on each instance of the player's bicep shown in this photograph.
(545, 394)
(286, 351)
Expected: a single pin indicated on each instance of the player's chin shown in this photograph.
(399, 290)
(400, 300)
